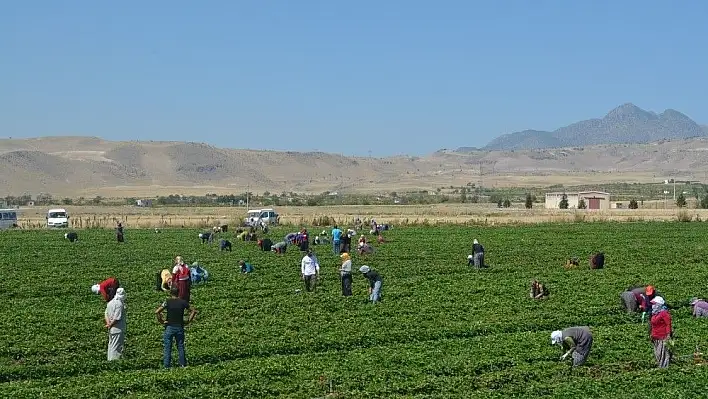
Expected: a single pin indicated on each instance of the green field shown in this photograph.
(443, 329)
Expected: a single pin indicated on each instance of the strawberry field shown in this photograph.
(443, 329)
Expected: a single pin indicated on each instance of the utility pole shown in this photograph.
(674, 179)
(248, 189)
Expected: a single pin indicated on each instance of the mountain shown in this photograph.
(625, 124)
(80, 166)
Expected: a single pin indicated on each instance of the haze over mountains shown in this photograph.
(628, 144)
(625, 124)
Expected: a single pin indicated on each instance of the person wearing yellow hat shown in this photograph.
(346, 273)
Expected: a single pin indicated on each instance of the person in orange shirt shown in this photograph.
(107, 288)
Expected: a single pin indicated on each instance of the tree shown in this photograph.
(67, 201)
(500, 203)
(681, 201)
(507, 203)
(581, 204)
(529, 201)
(563, 204)
(463, 195)
(97, 200)
(704, 202)
(633, 204)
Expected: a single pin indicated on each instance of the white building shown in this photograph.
(593, 199)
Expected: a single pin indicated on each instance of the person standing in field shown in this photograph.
(660, 331)
(107, 288)
(336, 239)
(310, 270)
(478, 254)
(347, 241)
(181, 278)
(577, 341)
(115, 323)
(375, 283)
(346, 273)
(700, 307)
(119, 232)
(174, 326)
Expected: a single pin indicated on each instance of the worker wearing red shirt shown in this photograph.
(107, 288)
(660, 331)
(181, 278)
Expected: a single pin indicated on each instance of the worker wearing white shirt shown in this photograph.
(310, 270)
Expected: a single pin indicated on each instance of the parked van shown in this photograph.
(256, 216)
(8, 218)
(57, 218)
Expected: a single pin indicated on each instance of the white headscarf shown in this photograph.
(364, 269)
(95, 288)
(475, 241)
(556, 337)
(120, 294)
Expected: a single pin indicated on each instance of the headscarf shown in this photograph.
(364, 269)
(556, 337)
(475, 241)
(657, 305)
(95, 288)
(120, 294)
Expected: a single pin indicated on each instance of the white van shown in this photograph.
(57, 218)
(256, 216)
(8, 218)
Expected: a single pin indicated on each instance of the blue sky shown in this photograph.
(390, 77)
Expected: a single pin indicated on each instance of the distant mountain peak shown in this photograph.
(624, 124)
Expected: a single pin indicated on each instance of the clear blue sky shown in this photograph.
(388, 76)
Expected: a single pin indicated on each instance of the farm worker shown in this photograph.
(174, 326)
(181, 278)
(597, 261)
(245, 267)
(365, 249)
(290, 238)
(633, 299)
(380, 239)
(336, 239)
(115, 323)
(649, 294)
(577, 341)
(478, 254)
(346, 273)
(224, 245)
(107, 288)
(660, 331)
(242, 236)
(572, 262)
(346, 244)
(538, 290)
(362, 241)
(700, 307)
(374, 283)
(470, 260)
(71, 236)
(119, 232)
(280, 247)
(198, 274)
(166, 278)
(310, 270)
(265, 244)
(206, 237)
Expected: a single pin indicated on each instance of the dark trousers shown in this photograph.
(347, 284)
(310, 282)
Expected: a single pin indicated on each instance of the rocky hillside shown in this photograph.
(626, 124)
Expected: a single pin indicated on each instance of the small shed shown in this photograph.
(595, 199)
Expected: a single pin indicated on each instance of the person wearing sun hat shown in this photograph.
(345, 272)
(577, 341)
(375, 283)
(700, 307)
(660, 331)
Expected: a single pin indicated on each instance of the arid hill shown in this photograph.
(87, 166)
